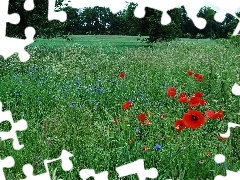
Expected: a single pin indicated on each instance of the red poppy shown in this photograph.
(183, 97)
(171, 92)
(142, 117)
(212, 115)
(115, 121)
(200, 78)
(194, 101)
(203, 102)
(193, 119)
(179, 125)
(189, 72)
(127, 105)
(198, 94)
(122, 75)
(196, 75)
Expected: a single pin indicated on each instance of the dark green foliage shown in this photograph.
(101, 21)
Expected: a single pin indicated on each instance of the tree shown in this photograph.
(37, 18)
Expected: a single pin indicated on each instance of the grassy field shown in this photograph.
(70, 93)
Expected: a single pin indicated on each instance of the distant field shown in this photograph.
(109, 40)
(72, 96)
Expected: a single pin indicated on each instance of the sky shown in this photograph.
(109, 3)
(115, 5)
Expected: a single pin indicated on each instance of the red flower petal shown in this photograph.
(193, 119)
(127, 105)
(142, 117)
(122, 75)
(194, 101)
(179, 125)
(209, 113)
(198, 94)
(189, 72)
(200, 78)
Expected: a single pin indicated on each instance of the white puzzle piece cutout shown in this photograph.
(21, 125)
(66, 166)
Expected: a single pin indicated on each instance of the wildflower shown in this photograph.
(208, 153)
(193, 119)
(162, 116)
(200, 162)
(115, 121)
(189, 72)
(157, 147)
(194, 101)
(198, 94)
(196, 75)
(72, 105)
(171, 92)
(202, 102)
(122, 75)
(179, 125)
(126, 105)
(131, 100)
(147, 122)
(142, 117)
(183, 97)
(222, 138)
(200, 78)
(211, 114)
(131, 141)
(138, 130)
(146, 148)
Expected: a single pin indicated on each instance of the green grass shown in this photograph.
(120, 42)
(76, 90)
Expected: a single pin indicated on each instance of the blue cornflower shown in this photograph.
(31, 74)
(101, 90)
(159, 103)
(78, 88)
(137, 129)
(72, 105)
(77, 82)
(157, 147)
(131, 100)
(16, 94)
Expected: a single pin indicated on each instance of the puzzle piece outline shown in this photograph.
(66, 164)
(10, 46)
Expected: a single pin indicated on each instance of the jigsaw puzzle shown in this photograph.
(9, 46)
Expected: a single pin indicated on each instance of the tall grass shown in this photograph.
(76, 93)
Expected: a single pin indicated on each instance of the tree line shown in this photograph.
(101, 21)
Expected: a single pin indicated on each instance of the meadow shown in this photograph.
(72, 93)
